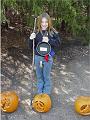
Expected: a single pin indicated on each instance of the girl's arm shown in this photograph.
(30, 40)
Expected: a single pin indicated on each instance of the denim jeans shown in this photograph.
(44, 84)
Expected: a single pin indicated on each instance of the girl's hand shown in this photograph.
(45, 39)
(32, 36)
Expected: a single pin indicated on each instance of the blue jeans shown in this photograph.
(44, 84)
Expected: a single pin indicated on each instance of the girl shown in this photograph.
(45, 33)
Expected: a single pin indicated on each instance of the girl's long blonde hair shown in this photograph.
(40, 20)
(50, 26)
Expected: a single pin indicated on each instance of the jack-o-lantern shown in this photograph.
(41, 103)
(82, 105)
(9, 101)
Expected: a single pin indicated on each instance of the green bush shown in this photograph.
(74, 12)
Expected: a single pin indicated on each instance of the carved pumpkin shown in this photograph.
(9, 101)
(41, 103)
(82, 105)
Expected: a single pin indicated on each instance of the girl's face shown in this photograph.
(44, 23)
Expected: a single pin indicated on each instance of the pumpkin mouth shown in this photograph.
(85, 109)
(39, 106)
(5, 103)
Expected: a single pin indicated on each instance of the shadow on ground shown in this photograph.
(70, 77)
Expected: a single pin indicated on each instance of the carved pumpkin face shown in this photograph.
(41, 103)
(9, 101)
(82, 105)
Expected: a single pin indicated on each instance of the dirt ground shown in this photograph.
(70, 76)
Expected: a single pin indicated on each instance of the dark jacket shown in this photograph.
(54, 41)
